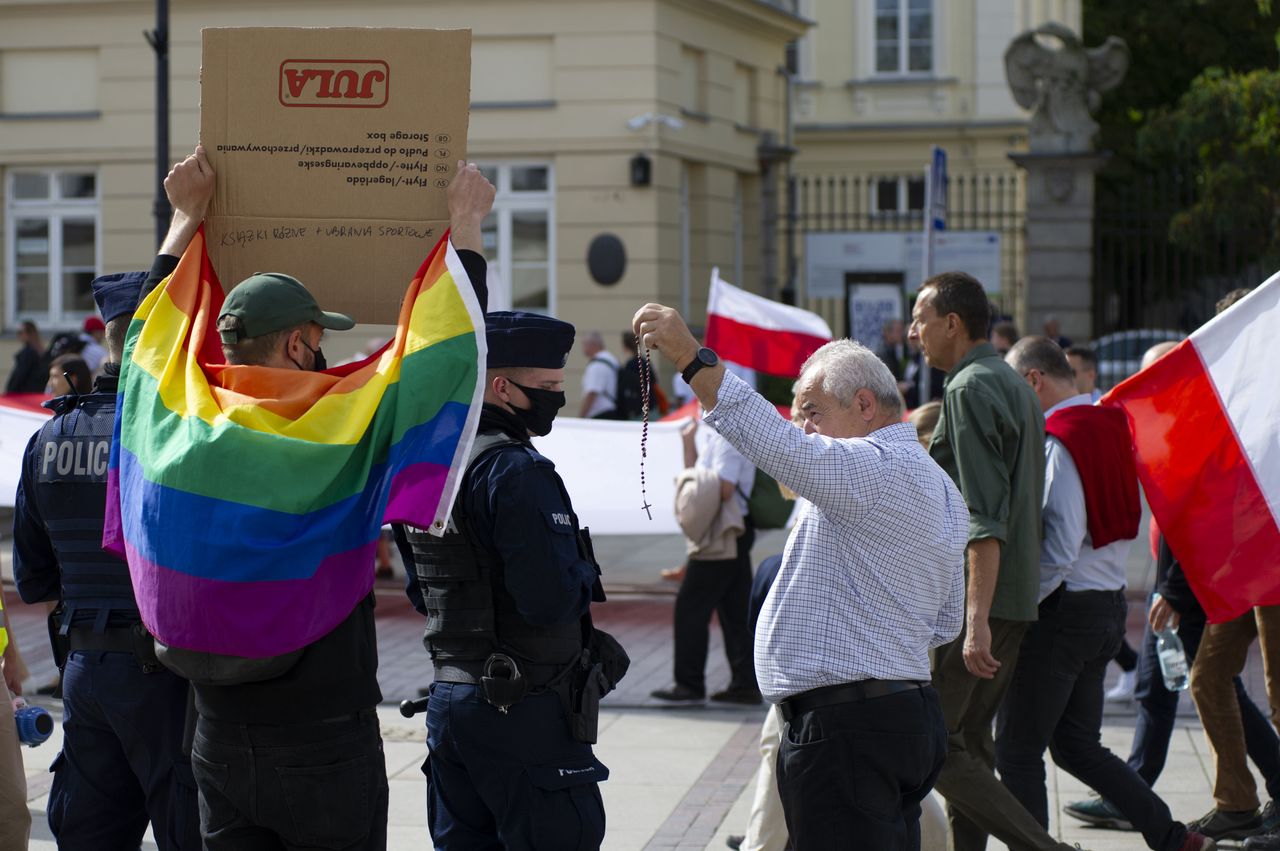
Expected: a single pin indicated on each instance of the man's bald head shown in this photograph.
(1156, 352)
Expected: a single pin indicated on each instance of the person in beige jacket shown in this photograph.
(718, 571)
(711, 525)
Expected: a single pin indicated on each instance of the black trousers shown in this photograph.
(723, 587)
(290, 787)
(1127, 657)
(1055, 702)
(516, 781)
(121, 763)
(853, 775)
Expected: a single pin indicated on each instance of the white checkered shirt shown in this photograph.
(872, 575)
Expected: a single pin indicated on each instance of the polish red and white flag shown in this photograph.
(1205, 420)
(761, 334)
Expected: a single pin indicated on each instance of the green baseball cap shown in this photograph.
(271, 301)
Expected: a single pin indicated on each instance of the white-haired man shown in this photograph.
(871, 579)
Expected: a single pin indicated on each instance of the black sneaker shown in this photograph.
(1270, 817)
(1263, 842)
(1098, 812)
(735, 840)
(1226, 824)
(745, 696)
(679, 694)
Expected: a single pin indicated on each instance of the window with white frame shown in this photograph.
(898, 195)
(518, 233)
(904, 36)
(52, 245)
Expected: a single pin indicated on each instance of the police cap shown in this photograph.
(117, 294)
(518, 338)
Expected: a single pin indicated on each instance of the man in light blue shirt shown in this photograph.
(1056, 696)
(871, 579)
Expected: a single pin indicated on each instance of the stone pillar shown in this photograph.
(1059, 244)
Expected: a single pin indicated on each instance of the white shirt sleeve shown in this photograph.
(729, 464)
(599, 378)
(1065, 523)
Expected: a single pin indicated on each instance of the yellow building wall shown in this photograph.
(590, 65)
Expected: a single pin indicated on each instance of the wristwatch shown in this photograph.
(704, 358)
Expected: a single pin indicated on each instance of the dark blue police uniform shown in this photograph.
(507, 592)
(121, 764)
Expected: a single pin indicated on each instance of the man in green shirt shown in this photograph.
(990, 439)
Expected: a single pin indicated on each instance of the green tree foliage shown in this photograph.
(1187, 131)
(1171, 43)
(1226, 132)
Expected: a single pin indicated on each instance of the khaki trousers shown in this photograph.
(767, 826)
(978, 804)
(1222, 655)
(15, 818)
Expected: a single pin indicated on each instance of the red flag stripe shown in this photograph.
(762, 349)
(1201, 487)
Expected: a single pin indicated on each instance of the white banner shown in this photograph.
(17, 424)
(599, 461)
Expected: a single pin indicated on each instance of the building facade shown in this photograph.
(569, 97)
(877, 84)
(668, 123)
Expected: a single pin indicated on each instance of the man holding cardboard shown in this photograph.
(307, 735)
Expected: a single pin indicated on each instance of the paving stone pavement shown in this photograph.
(681, 778)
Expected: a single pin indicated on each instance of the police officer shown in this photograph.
(122, 763)
(507, 591)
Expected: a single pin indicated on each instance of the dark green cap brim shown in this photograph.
(335, 321)
(270, 301)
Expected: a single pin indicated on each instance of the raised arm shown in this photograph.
(189, 186)
(190, 189)
(838, 476)
(470, 200)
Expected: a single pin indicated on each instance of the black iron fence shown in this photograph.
(1141, 278)
(871, 203)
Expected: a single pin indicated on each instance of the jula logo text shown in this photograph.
(334, 83)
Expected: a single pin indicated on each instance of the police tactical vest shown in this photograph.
(70, 458)
(470, 613)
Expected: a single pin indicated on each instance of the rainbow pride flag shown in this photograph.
(248, 500)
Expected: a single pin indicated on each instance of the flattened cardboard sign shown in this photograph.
(333, 150)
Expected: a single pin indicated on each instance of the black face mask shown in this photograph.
(544, 405)
(318, 362)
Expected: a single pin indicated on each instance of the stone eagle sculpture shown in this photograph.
(1062, 86)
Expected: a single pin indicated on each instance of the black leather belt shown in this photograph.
(846, 693)
(469, 672)
(114, 640)
(119, 639)
(359, 715)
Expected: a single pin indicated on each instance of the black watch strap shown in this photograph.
(703, 358)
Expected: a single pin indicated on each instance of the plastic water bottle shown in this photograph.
(1173, 660)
